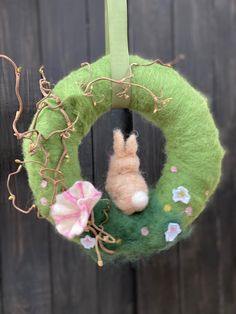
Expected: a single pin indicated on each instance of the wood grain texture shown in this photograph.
(42, 273)
(199, 255)
(64, 37)
(24, 240)
(225, 114)
(19, 31)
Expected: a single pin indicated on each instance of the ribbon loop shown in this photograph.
(117, 46)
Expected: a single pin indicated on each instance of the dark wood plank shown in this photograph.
(225, 112)
(151, 37)
(19, 31)
(199, 255)
(24, 240)
(65, 46)
(114, 282)
(226, 220)
(41, 272)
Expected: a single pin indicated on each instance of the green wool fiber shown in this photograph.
(192, 146)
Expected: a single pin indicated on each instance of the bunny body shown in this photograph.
(124, 183)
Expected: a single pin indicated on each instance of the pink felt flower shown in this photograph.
(188, 211)
(173, 169)
(44, 184)
(73, 207)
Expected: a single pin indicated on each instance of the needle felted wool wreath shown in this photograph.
(189, 177)
(96, 221)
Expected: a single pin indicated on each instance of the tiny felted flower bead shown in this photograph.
(188, 211)
(73, 207)
(167, 208)
(144, 231)
(173, 169)
(181, 194)
(44, 184)
(43, 201)
(172, 232)
(88, 242)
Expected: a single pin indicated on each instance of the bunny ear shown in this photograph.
(131, 146)
(119, 143)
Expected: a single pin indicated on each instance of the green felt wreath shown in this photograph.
(193, 152)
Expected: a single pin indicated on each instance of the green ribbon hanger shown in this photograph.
(117, 46)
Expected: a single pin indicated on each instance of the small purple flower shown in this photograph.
(172, 231)
(88, 242)
(181, 194)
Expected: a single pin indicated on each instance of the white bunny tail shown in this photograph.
(140, 200)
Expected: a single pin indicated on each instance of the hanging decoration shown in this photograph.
(132, 220)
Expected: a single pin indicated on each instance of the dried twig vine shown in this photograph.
(159, 101)
(55, 176)
(101, 235)
(37, 140)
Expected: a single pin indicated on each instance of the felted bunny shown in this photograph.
(124, 182)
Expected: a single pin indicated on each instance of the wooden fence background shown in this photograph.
(42, 273)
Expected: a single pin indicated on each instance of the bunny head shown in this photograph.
(125, 159)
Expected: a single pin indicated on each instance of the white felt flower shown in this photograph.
(88, 242)
(172, 231)
(73, 207)
(181, 194)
